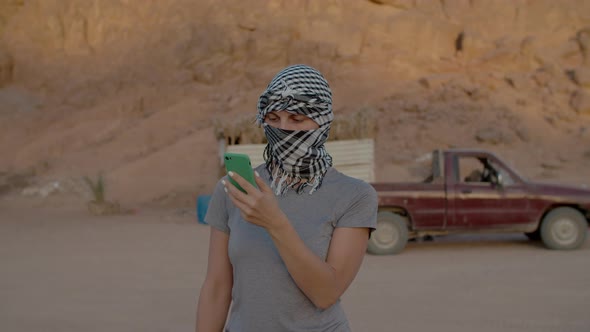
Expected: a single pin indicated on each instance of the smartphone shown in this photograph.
(239, 163)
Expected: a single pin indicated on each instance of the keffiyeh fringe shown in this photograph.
(281, 181)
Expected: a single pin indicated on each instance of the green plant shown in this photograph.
(97, 188)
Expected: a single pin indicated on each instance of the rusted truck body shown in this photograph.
(473, 191)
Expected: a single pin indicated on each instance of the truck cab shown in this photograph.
(474, 191)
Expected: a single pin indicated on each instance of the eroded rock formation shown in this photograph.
(130, 87)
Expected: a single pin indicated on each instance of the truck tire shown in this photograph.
(564, 228)
(391, 234)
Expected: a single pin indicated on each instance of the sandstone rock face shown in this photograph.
(15, 100)
(6, 68)
(582, 76)
(490, 135)
(124, 86)
(581, 102)
(583, 38)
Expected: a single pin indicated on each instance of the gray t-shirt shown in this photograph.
(264, 296)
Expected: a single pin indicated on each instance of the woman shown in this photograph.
(284, 253)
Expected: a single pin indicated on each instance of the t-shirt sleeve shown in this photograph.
(217, 215)
(362, 210)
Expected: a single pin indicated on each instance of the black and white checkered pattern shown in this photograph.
(297, 159)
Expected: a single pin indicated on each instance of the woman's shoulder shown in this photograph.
(341, 181)
(356, 200)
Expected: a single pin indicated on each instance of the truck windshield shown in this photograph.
(507, 179)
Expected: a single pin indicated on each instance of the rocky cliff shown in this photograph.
(132, 88)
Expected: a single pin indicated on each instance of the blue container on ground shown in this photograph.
(202, 205)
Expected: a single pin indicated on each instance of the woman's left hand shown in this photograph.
(258, 206)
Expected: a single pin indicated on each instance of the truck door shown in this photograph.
(477, 200)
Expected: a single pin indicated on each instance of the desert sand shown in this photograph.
(63, 270)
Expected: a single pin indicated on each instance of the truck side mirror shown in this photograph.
(497, 180)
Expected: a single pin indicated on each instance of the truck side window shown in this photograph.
(471, 170)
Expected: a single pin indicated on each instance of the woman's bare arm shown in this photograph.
(215, 296)
(323, 282)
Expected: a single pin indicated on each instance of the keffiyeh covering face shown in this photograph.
(297, 159)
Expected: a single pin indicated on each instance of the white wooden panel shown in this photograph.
(352, 157)
(363, 172)
(351, 152)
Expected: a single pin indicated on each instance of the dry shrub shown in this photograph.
(100, 206)
(241, 130)
(96, 187)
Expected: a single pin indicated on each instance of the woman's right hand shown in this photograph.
(258, 206)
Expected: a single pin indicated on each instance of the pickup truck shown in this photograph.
(474, 191)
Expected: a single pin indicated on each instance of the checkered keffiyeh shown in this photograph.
(297, 159)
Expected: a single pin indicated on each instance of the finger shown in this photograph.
(235, 193)
(233, 182)
(260, 183)
(247, 186)
(240, 205)
(237, 202)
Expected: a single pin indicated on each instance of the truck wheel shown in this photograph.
(563, 228)
(391, 234)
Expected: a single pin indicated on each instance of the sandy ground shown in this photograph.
(67, 271)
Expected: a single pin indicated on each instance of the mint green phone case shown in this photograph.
(239, 163)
